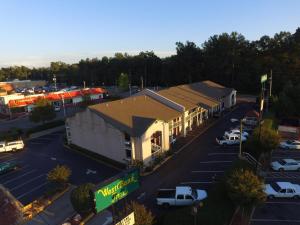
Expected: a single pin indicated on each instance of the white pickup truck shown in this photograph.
(230, 139)
(283, 190)
(181, 196)
(11, 146)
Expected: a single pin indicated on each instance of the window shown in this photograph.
(282, 191)
(1, 146)
(127, 137)
(290, 191)
(128, 153)
(179, 196)
(188, 197)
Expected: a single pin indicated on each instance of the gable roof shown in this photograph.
(134, 114)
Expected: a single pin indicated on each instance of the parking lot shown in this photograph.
(280, 211)
(39, 157)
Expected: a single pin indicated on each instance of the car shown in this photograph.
(230, 139)
(282, 190)
(237, 132)
(286, 165)
(11, 146)
(290, 144)
(8, 166)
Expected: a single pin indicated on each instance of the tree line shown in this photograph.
(229, 59)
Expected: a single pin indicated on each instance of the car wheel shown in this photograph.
(270, 196)
(166, 205)
(296, 197)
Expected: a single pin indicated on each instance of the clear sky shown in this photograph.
(36, 32)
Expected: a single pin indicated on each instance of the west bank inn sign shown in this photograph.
(116, 190)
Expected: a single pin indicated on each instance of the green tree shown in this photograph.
(142, 216)
(123, 82)
(245, 189)
(59, 175)
(42, 112)
(81, 198)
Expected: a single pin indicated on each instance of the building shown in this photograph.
(23, 83)
(20, 103)
(144, 125)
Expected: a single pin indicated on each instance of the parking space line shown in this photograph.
(14, 171)
(274, 220)
(217, 161)
(222, 153)
(286, 203)
(16, 178)
(28, 181)
(208, 171)
(283, 177)
(32, 190)
(197, 182)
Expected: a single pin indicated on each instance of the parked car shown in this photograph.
(282, 190)
(180, 196)
(286, 165)
(8, 166)
(290, 144)
(230, 139)
(251, 121)
(237, 132)
(11, 146)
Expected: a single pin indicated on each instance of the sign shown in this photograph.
(116, 190)
(128, 220)
(263, 78)
(261, 105)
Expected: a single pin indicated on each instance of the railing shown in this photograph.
(155, 149)
(251, 159)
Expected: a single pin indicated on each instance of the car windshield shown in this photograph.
(194, 194)
(289, 142)
(276, 187)
(282, 162)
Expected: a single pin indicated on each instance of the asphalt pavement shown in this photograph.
(39, 157)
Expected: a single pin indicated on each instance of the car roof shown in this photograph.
(183, 190)
(284, 185)
(289, 160)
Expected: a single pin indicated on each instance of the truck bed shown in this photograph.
(166, 193)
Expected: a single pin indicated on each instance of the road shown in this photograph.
(39, 157)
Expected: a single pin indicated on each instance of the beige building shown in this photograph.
(144, 125)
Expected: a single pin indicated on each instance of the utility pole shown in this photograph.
(63, 105)
(84, 84)
(241, 131)
(270, 82)
(142, 83)
(54, 79)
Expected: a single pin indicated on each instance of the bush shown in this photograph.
(59, 175)
(81, 198)
(10, 135)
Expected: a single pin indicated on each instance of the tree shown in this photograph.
(142, 216)
(123, 82)
(81, 198)
(59, 175)
(245, 189)
(42, 112)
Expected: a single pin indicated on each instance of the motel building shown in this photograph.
(147, 124)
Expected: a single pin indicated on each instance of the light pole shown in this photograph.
(241, 131)
(54, 79)
(63, 102)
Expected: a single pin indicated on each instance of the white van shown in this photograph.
(11, 146)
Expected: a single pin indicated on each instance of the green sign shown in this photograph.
(263, 78)
(115, 191)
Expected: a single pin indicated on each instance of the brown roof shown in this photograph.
(135, 114)
(188, 97)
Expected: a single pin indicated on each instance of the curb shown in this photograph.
(45, 132)
(188, 143)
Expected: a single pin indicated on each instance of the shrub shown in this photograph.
(81, 198)
(59, 175)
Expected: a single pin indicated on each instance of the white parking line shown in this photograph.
(272, 220)
(217, 161)
(197, 182)
(208, 171)
(32, 190)
(222, 153)
(28, 181)
(16, 178)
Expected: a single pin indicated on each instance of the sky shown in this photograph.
(36, 32)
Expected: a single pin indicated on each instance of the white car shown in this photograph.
(237, 132)
(290, 144)
(286, 165)
(230, 139)
(11, 146)
(282, 190)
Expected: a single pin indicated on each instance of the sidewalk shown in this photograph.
(56, 213)
(103, 218)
